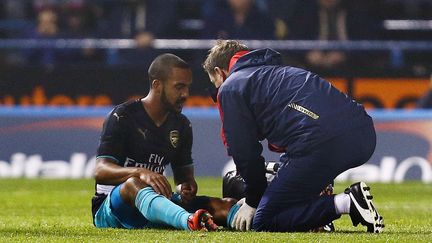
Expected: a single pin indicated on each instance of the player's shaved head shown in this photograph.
(221, 53)
(161, 67)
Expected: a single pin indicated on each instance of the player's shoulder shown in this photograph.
(123, 109)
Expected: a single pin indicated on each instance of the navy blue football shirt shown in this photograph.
(130, 138)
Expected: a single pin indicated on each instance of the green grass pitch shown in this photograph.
(59, 210)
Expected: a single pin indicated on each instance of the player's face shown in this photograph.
(175, 89)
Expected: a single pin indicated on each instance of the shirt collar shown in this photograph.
(235, 58)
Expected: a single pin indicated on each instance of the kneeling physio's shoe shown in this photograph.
(326, 228)
(362, 209)
(201, 220)
(329, 227)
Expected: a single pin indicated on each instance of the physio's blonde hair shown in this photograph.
(221, 54)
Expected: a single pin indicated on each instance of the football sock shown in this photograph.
(127, 215)
(158, 209)
(342, 203)
(232, 212)
(176, 198)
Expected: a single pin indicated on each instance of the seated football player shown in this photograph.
(139, 139)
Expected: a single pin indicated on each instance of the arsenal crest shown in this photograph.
(174, 138)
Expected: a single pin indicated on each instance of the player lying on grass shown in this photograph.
(139, 138)
(320, 132)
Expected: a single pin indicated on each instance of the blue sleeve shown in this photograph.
(241, 135)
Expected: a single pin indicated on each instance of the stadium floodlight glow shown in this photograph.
(408, 24)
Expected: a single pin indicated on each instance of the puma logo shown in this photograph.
(117, 116)
(143, 133)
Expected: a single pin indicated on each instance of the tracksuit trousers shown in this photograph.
(291, 202)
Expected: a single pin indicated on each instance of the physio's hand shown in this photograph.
(158, 182)
(243, 219)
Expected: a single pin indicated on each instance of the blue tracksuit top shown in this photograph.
(294, 109)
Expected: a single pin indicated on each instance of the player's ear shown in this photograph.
(156, 85)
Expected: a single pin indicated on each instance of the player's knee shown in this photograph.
(132, 186)
(130, 182)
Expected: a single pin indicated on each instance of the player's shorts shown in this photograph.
(115, 213)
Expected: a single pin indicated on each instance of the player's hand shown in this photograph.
(243, 219)
(158, 182)
(188, 191)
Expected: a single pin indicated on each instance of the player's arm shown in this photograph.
(109, 173)
(185, 181)
(183, 168)
(241, 134)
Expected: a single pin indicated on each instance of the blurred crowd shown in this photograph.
(145, 20)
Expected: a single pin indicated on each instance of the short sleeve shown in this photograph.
(112, 139)
(185, 152)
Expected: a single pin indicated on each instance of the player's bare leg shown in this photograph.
(130, 189)
(219, 208)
